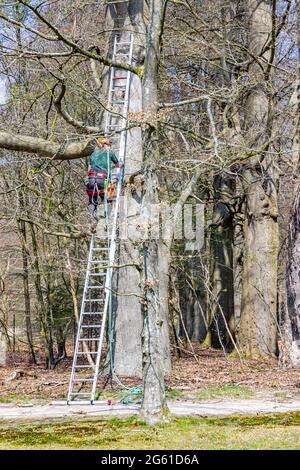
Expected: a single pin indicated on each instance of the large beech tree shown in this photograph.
(258, 329)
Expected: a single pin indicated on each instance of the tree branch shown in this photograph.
(79, 125)
(46, 148)
(190, 101)
(120, 65)
(54, 233)
(20, 24)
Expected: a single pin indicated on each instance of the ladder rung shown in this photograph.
(112, 2)
(100, 249)
(118, 88)
(91, 326)
(120, 47)
(97, 274)
(83, 380)
(87, 352)
(92, 313)
(119, 78)
(84, 367)
(89, 339)
(118, 102)
(94, 287)
(94, 300)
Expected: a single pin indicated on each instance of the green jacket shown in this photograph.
(103, 159)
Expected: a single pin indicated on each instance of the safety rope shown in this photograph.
(133, 395)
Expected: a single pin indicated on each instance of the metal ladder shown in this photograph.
(114, 2)
(96, 300)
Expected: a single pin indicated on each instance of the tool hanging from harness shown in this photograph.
(110, 191)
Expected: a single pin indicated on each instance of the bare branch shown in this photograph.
(51, 232)
(79, 125)
(46, 148)
(20, 24)
(120, 65)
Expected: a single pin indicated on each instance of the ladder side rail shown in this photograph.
(81, 317)
(108, 115)
(107, 289)
(125, 112)
(131, 48)
(123, 137)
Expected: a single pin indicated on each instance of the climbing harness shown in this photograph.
(95, 188)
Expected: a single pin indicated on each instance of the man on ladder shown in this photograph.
(101, 161)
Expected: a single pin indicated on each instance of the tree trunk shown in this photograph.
(290, 349)
(125, 18)
(154, 407)
(42, 308)
(3, 349)
(22, 229)
(289, 344)
(258, 327)
(164, 262)
(193, 303)
(25, 256)
(222, 266)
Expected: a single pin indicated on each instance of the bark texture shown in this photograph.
(289, 344)
(258, 326)
(222, 265)
(291, 327)
(128, 18)
(45, 148)
(154, 407)
(3, 350)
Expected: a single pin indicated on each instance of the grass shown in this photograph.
(224, 391)
(19, 398)
(258, 432)
(280, 395)
(174, 394)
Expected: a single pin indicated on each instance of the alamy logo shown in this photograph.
(138, 222)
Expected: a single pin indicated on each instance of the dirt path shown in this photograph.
(221, 407)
